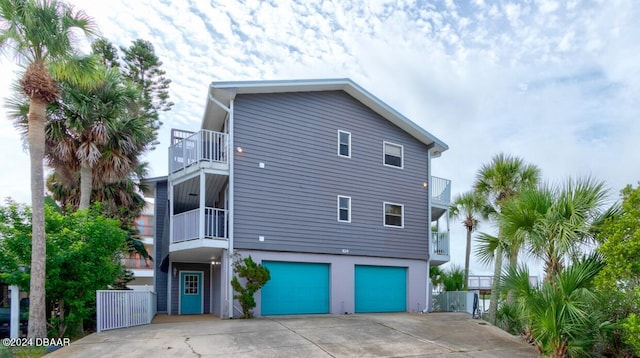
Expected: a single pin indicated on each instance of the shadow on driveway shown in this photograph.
(371, 335)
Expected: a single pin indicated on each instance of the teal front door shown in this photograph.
(190, 292)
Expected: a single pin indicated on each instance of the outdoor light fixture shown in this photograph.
(239, 149)
(424, 185)
(175, 272)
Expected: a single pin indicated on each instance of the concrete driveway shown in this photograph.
(361, 335)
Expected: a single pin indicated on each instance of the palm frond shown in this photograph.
(486, 246)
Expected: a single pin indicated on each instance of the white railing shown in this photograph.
(186, 226)
(485, 282)
(440, 243)
(119, 309)
(441, 190)
(480, 282)
(453, 301)
(202, 146)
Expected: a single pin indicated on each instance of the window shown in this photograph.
(393, 154)
(344, 144)
(393, 215)
(190, 284)
(344, 208)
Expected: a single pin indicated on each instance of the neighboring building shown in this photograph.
(141, 268)
(319, 181)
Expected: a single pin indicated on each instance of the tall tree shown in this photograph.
(39, 34)
(121, 199)
(92, 126)
(96, 132)
(469, 207)
(498, 181)
(619, 280)
(554, 223)
(142, 66)
(107, 52)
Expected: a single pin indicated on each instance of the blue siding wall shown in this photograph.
(175, 284)
(292, 200)
(160, 207)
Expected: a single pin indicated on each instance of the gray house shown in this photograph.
(318, 180)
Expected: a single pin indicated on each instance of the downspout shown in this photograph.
(170, 273)
(169, 283)
(231, 209)
(427, 306)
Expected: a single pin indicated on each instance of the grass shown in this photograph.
(21, 352)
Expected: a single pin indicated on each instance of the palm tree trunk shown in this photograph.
(466, 260)
(513, 262)
(86, 179)
(37, 317)
(497, 270)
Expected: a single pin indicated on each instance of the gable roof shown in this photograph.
(224, 92)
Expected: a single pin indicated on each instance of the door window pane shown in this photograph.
(191, 284)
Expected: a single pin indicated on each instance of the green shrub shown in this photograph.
(631, 327)
(255, 276)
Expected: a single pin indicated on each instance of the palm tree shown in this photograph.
(94, 132)
(498, 181)
(468, 206)
(557, 312)
(39, 34)
(94, 126)
(555, 223)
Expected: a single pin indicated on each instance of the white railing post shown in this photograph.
(98, 311)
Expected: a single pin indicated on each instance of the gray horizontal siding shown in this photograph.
(292, 201)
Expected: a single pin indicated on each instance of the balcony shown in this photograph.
(204, 149)
(186, 226)
(440, 197)
(439, 248)
(485, 282)
(440, 191)
(196, 239)
(138, 266)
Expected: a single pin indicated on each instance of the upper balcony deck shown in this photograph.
(440, 197)
(192, 151)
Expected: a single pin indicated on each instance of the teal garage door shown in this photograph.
(295, 288)
(381, 289)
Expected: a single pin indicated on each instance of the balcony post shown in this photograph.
(171, 202)
(184, 154)
(202, 206)
(427, 298)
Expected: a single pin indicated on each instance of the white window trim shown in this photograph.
(384, 215)
(349, 133)
(348, 208)
(384, 145)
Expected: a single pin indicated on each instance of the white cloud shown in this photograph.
(557, 85)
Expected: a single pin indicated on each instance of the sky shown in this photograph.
(555, 83)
